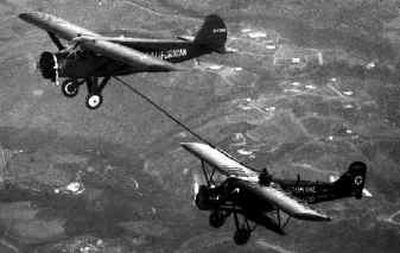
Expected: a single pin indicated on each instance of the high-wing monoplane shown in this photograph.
(91, 56)
(257, 198)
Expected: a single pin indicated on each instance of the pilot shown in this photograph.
(265, 178)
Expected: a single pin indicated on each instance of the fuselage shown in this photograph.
(246, 198)
(82, 63)
(313, 191)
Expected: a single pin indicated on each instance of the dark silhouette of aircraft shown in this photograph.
(92, 56)
(258, 198)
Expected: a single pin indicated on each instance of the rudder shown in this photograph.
(213, 34)
(352, 182)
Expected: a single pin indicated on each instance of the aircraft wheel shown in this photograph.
(241, 236)
(94, 101)
(70, 88)
(217, 219)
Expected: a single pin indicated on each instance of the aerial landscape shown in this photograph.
(311, 87)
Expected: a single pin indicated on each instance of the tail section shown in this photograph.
(212, 35)
(352, 182)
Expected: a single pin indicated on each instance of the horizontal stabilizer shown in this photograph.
(186, 38)
(365, 192)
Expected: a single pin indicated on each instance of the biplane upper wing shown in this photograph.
(221, 161)
(55, 25)
(273, 195)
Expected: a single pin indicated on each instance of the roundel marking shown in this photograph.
(358, 180)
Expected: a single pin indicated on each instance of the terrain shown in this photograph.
(314, 86)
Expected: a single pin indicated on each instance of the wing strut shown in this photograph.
(286, 222)
(278, 214)
(203, 168)
(165, 112)
(56, 41)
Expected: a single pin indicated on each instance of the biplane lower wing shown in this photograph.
(249, 180)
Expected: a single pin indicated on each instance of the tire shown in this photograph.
(241, 236)
(70, 88)
(93, 101)
(217, 219)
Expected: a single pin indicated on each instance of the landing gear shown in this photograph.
(243, 231)
(94, 98)
(241, 236)
(212, 198)
(217, 219)
(94, 101)
(70, 88)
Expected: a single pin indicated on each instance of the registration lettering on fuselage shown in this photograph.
(170, 53)
(305, 189)
(219, 30)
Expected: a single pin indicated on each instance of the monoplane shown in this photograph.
(91, 56)
(255, 197)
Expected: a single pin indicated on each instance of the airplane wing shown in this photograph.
(134, 58)
(249, 180)
(221, 161)
(137, 41)
(55, 25)
(280, 199)
(69, 31)
(94, 42)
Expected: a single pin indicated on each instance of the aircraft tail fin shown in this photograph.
(352, 182)
(213, 34)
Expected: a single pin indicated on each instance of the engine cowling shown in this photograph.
(49, 66)
(207, 198)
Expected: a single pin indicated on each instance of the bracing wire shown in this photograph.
(169, 115)
(164, 111)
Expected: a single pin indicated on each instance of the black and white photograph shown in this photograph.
(187, 126)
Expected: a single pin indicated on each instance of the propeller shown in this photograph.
(49, 63)
(197, 181)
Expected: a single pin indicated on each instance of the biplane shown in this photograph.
(91, 56)
(254, 197)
